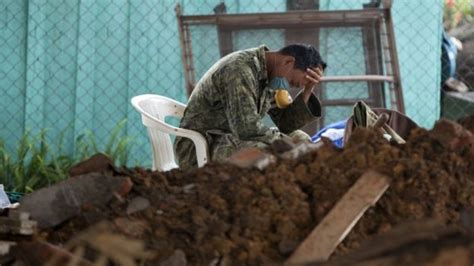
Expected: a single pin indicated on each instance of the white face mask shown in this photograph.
(282, 97)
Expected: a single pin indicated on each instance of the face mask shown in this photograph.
(282, 96)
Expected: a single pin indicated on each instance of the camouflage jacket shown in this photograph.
(228, 104)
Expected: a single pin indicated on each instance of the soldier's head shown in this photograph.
(294, 60)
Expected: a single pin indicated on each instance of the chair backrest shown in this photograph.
(154, 109)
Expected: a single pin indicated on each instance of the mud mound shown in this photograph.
(467, 122)
(221, 213)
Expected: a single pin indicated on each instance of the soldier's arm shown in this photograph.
(304, 109)
(240, 96)
(297, 115)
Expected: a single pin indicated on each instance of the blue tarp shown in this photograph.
(334, 131)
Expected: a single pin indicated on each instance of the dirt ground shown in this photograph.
(467, 122)
(227, 215)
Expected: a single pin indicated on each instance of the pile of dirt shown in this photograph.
(422, 242)
(467, 122)
(221, 213)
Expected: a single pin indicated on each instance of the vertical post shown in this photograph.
(186, 54)
(225, 41)
(373, 62)
(302, 35)
(226, 45)
(309, 36)
(394, 59)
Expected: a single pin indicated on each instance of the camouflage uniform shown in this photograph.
(228, 104)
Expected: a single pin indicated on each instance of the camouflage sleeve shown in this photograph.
(297, 115)
(240, 94)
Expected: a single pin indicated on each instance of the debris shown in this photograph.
(19, 215)
(322, 241)
(282, 145)
(287, 246)
(43, 253)
(107, 246)
(251, 157)
(189, 188)
(300, 150)
(467, 122)
(17, 223)
(53, 205)
(132, 227)
(424, 242)
(178, 258)
(98, 163)
(254, 216)
(453, 136)
(137, 204)
(5, 247)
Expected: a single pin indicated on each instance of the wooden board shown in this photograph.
(323, 240)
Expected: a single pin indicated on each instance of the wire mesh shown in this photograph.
(72, 66)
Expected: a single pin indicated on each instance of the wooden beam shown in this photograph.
(368, 78)
(373, 61)
(314, 17)
(344, 102)
(332, 230)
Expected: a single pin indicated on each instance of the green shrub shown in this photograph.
(36, 164)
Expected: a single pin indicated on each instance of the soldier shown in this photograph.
(229, 102)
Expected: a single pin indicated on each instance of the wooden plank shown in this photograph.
(323, 240)
(304, 17)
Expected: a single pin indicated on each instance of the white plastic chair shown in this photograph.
(154, 109)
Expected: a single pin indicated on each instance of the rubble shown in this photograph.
(53, 205)
(424, 242)
(467, 122)
(223, 213)
(98, 163)
(137, 204)
(17, 223)
(43, 253)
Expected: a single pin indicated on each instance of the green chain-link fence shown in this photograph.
(72, 66)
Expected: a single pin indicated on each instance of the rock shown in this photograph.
(178, 258)
(134, 228)
(53, 205)
(190, 188)
(137, 204)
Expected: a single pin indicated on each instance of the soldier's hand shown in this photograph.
(313, 75)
